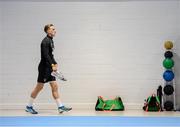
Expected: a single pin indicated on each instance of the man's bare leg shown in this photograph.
(35, 92)
(55, 94)
(37, 89)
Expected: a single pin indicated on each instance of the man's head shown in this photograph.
(49, 29)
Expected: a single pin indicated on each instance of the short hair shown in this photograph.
(46, 27)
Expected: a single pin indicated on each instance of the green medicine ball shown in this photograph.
(168, 63)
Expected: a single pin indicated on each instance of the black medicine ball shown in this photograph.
(168, 89)
(168, 105)
(168, 54)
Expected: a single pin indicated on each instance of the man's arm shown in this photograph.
(54, 61)
(45, 53)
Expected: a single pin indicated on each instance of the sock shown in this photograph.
(59, 103)
(31, 101)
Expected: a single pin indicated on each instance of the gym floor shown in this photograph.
(89, 118)
(90, 112)
(90, 121)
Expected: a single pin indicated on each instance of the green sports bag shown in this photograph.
(109, 105)
(152, 104)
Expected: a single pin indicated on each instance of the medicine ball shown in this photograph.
(168, 105)
(168, 63)
(168, 89)
(168, 54)
(168, 45)
(168, 75)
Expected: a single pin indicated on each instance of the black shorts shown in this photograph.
(44, 73)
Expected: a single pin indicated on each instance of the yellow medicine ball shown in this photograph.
(168, 44)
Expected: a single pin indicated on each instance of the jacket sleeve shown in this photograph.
(54, 61)
(45, 53)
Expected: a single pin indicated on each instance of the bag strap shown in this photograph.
(113, 105)
(103, 106)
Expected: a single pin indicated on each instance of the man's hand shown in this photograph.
(54, 67)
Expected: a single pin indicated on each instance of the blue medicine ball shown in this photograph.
(168, 75)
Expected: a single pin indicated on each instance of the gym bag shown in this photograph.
(109, 105)
(152, 104)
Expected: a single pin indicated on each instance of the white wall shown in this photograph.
(103, 48)
(177, 62)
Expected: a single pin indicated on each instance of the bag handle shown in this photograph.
(113, 105)
(103, 106)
